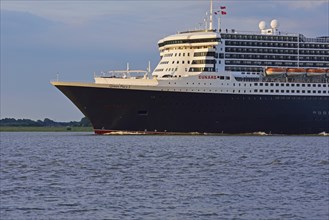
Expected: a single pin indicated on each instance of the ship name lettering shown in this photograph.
(120, 86)
(207, 77)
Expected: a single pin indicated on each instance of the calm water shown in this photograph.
(83, 176)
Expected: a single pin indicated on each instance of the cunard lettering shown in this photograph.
(207, 77)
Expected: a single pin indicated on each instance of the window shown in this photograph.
(204, 54)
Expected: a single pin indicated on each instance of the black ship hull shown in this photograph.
(143, 111)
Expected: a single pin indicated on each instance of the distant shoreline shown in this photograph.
(44, 129)
(46, 125)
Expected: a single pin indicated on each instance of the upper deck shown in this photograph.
(209, 36)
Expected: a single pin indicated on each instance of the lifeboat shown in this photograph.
(327, 74)
(315, 72)
(296, 71)
(271, 71)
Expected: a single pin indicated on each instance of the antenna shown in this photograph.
(211, 15)
(125, 75)
(148, 71)
(220, 12)
(149, 67)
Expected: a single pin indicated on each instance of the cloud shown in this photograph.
(307, 5)
(11, 22)
(79, 12)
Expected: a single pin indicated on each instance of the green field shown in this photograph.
(45, 129)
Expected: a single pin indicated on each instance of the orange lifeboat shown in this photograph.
(272, 71)
(327, 73)
(315, 72)
(296, 71)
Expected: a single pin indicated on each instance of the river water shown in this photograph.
(84, 176)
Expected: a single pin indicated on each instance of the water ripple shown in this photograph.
(82, 176)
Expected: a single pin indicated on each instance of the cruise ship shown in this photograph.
(216, 81)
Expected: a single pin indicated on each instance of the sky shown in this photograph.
(73, 39)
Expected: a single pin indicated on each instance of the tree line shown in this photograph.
(12, 122)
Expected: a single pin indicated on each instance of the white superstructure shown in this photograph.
(232, 62)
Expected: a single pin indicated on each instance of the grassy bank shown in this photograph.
(45, 129)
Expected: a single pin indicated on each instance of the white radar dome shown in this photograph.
(274, 24)
(262, 25)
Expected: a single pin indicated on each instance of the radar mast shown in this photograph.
(211, 15)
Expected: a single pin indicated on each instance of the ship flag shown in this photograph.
(222, 8)
(221, 11)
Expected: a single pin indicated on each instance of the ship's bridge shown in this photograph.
(188, 54)
(190, 38)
